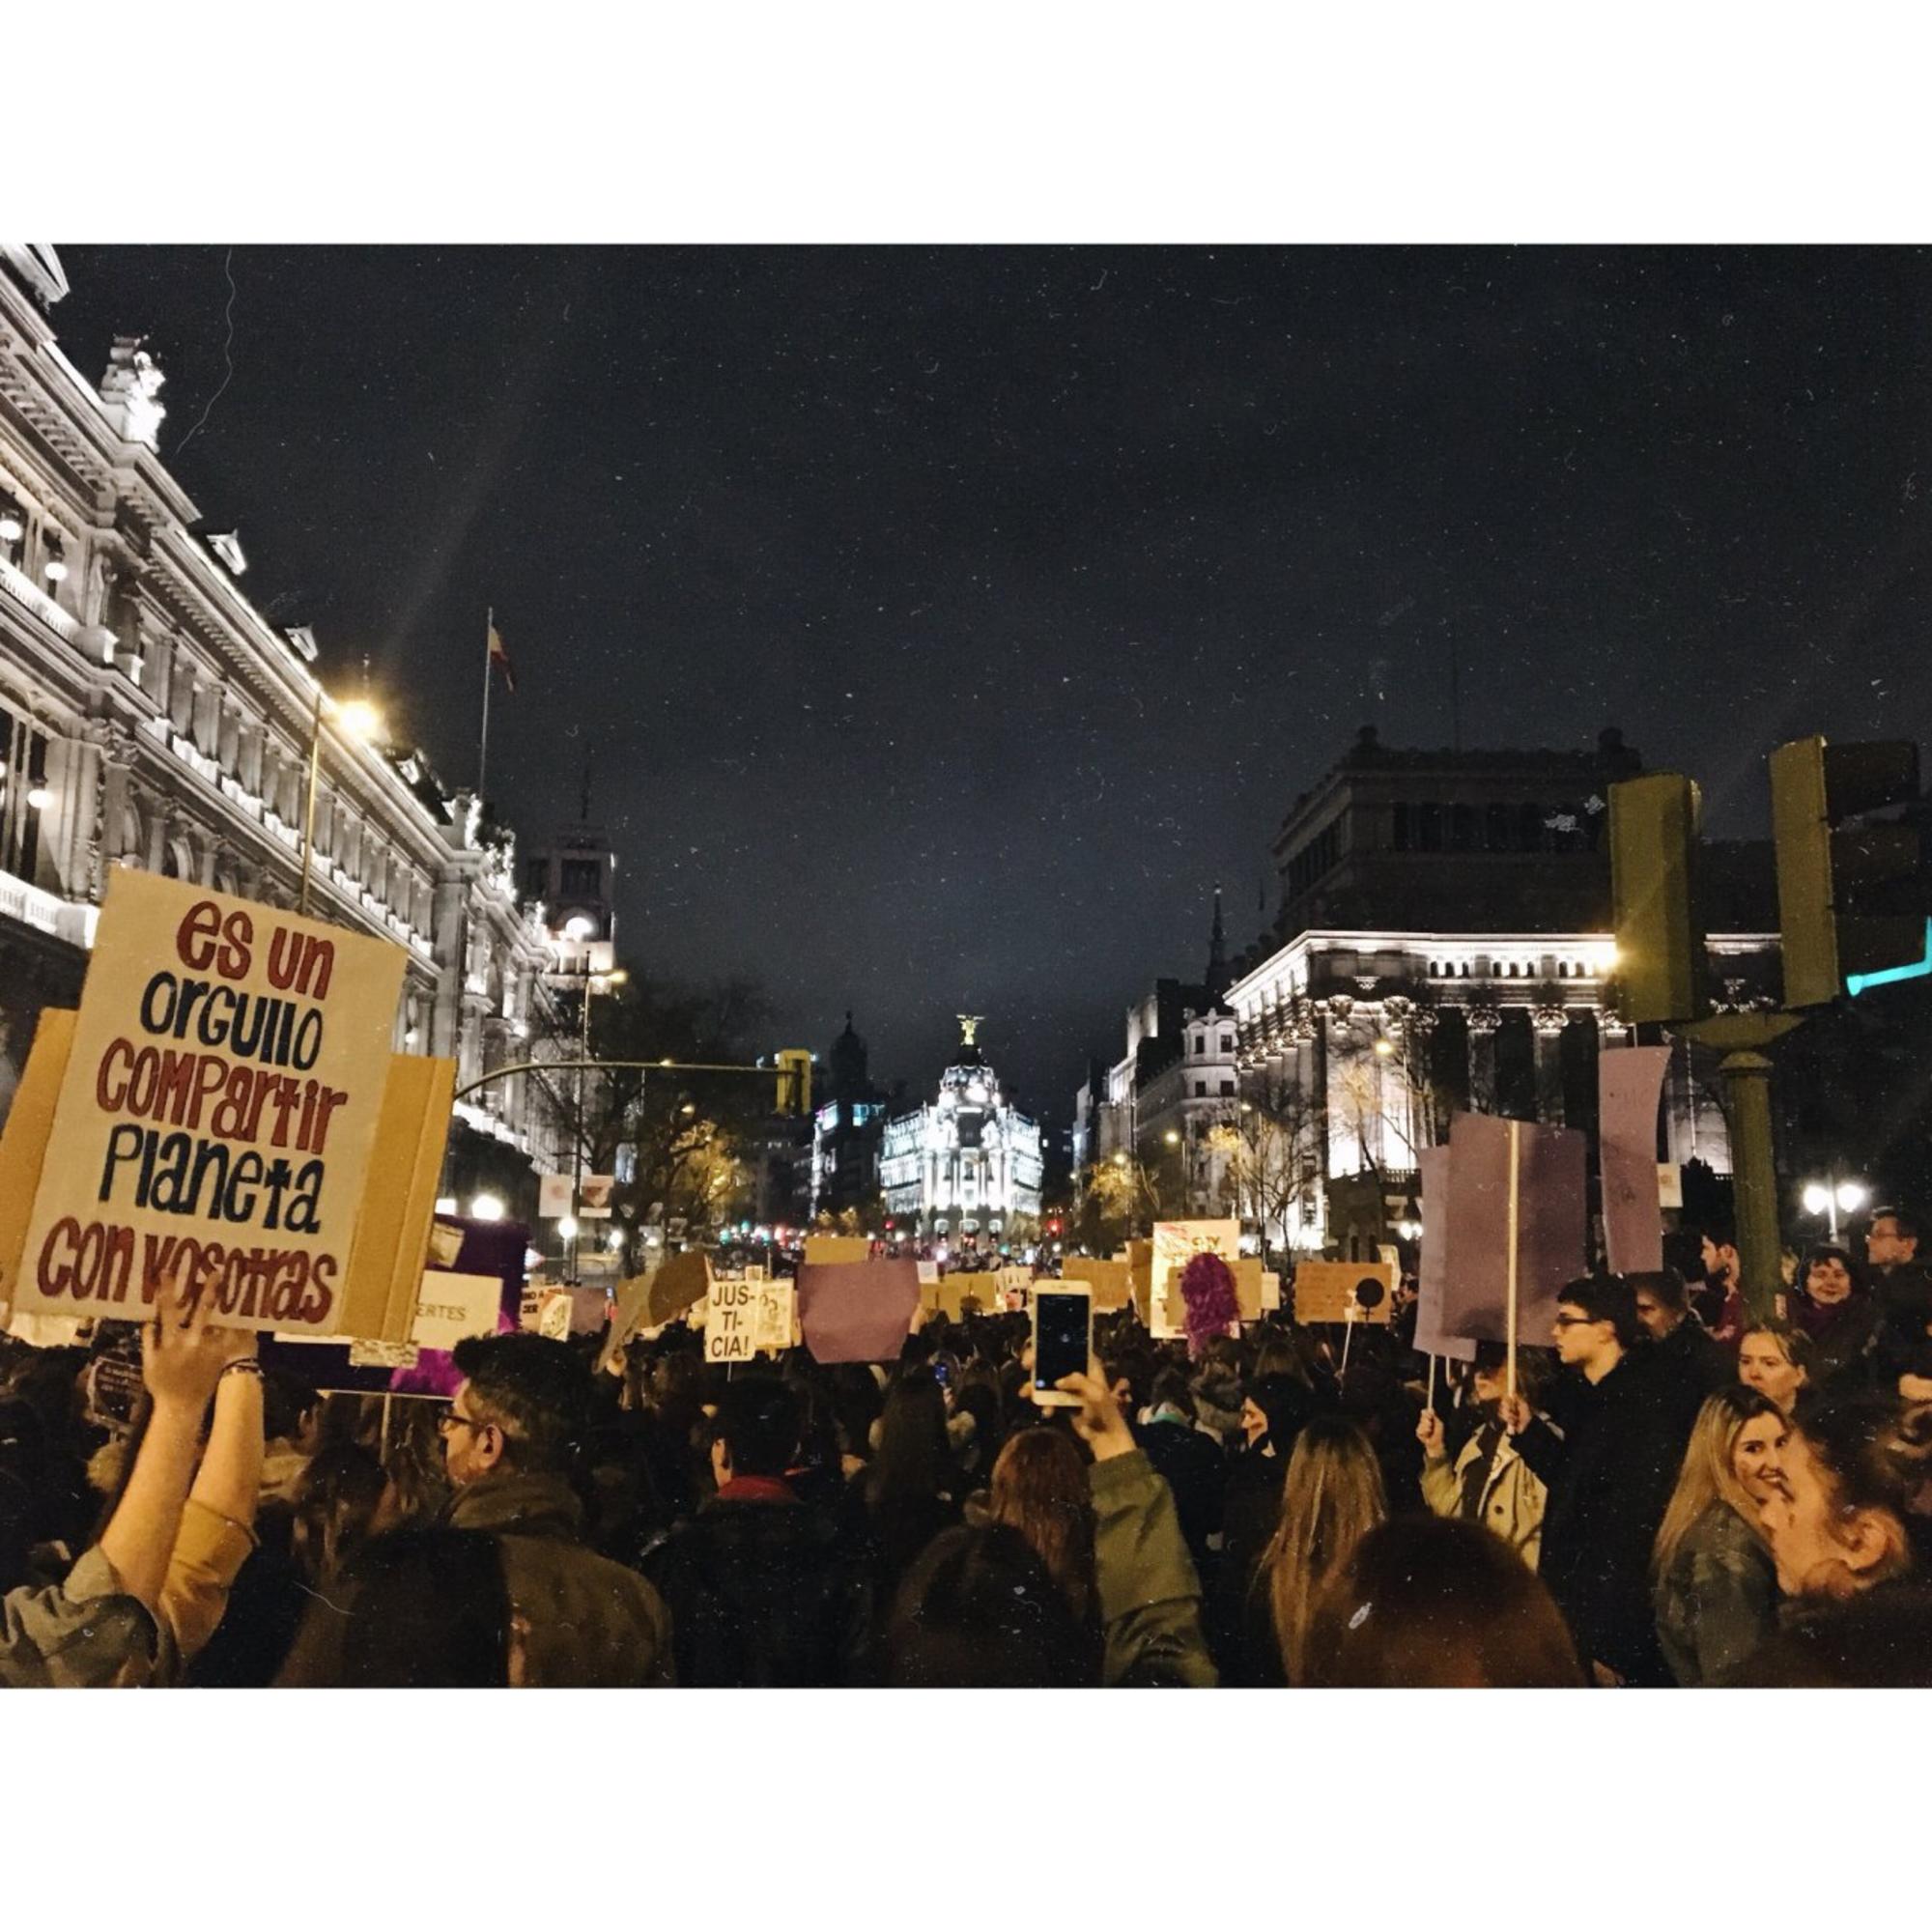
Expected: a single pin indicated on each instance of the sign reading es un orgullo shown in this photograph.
(220, 1107)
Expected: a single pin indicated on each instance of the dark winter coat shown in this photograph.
(1609, 1462)
(586, 1623)
(762, 1591)
(1194, 1468)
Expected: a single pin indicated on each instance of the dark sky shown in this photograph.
(946, 622)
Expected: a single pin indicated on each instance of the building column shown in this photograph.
(1482, 1021)
(1548, 1023)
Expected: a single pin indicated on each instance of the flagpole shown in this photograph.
(483, 743)
(1515, 1132)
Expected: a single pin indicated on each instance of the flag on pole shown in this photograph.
(500, 659)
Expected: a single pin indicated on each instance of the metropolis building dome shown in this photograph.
(966, 1166)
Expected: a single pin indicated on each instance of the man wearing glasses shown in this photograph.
(1609, 1451)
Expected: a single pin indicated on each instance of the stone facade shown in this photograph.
(152, 717)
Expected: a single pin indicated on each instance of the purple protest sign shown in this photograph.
(1431, 1338)
(856, 1311)
(1629, 1081)
(1550, 1217)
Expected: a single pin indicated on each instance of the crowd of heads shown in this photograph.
(1339, 1515)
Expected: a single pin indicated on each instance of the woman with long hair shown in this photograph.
(1429, 1604)
(1714, 1583)
(910, 1488)
(1039, 1489)
(1330, 1499)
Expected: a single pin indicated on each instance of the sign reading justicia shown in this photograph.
(219, 1106)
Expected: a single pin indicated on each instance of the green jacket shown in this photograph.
(1150, 1596)
(1717, 1600)
(82, 1634)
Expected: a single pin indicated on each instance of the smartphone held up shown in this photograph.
(1062, 1338)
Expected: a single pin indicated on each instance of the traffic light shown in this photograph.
(794, 1080)
(1852, 897)
(1654, 846)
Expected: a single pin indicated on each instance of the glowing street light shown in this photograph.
(357, 718)
(1834, 1198)
(486, 1208)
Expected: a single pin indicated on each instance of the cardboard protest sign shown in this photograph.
(553, 1196)
(627, 1315)
(1271, 1290)
(856, 1311)
(1549, 1226)
(452, 1307)
(1433, 1163)
(731, 1321)
(23, 1148)
(593, 1200)
(1629, 1082)
(1248, 1286)
(383, 1354)
(1176, 1244)
(1107, 1279)
(1327, 1290)
(679, 1281)
(1670, 1184)
(831, 1250)
(1139, 1258)
(1010, 1281)
(775, 1323)
(554, 1314)
(220, 1103)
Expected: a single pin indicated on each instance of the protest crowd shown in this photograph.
(1671, 1494)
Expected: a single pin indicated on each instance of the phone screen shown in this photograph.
(1061, 1343)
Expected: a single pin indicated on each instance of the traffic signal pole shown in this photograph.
(1744, 1039)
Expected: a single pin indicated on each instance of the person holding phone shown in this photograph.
(1148, 1589)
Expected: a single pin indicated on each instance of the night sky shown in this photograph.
(946, 623)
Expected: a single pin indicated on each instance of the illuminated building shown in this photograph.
(966, 1167)
(1371, 1028)
(150, 715)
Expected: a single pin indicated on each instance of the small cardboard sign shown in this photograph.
(593, 1201)
(553, 1315)
(835, 1250)
(452, 1307)
(731, 1321)
(776, 1322)
(1325, 1290)
(1109, 1281)
(1670, 1184)
(679, 1281)
(553, 1196)
(383, 1354)
(1271, 1290)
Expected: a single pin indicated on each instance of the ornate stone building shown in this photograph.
(967, 1167)
(151, 716)
(1374, 1028)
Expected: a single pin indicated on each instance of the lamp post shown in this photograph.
(358, 718)
(1831, 1197)
(616, 978)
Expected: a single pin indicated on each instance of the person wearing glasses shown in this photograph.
(577, 1620)
(1608, 1451)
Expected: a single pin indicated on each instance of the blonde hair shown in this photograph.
(1330, 1499)
(1709, 1474)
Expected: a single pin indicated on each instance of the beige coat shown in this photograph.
(1512, 1497)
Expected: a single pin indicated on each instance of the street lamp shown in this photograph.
(358, 719)
(614, 977)
(1834, 1198)
(486, 1208)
